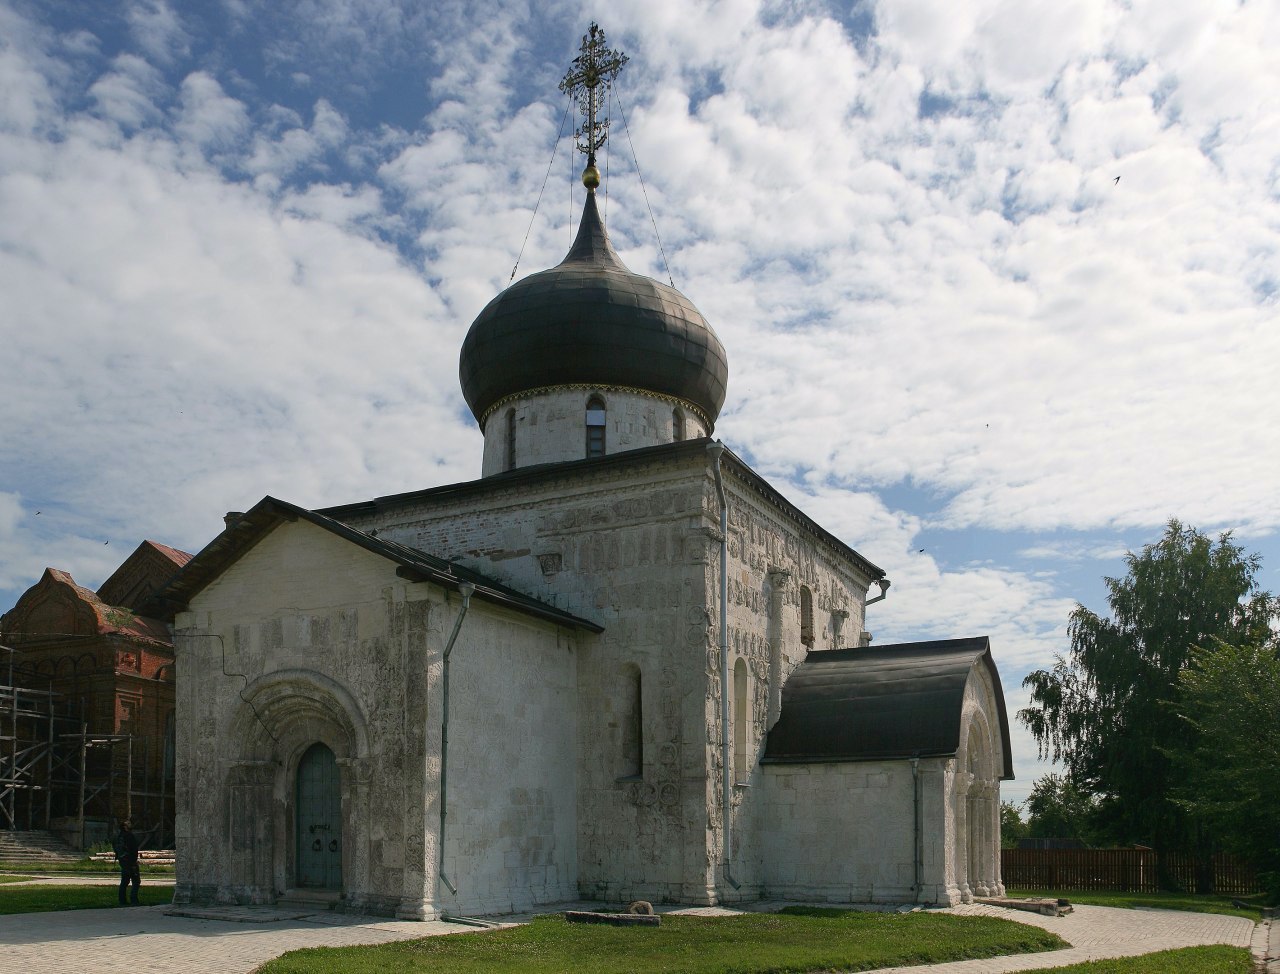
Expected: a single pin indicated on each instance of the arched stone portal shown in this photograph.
(977, 811)
(301, 779)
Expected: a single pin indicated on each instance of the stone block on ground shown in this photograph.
(613, 919)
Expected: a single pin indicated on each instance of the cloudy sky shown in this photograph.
(241, 242)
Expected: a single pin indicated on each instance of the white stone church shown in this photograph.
(619, 665)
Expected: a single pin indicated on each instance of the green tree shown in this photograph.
(1057, 809)
(1012, 827)
(1108, 710)
(1231, 702)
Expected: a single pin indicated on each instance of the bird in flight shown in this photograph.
(1117, 182)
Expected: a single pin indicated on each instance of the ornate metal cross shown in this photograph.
(588, 81)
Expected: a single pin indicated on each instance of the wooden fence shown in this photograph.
(1123, 870)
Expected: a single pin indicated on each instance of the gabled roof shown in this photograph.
(175, 555)
(149, 566)
(884, 702)
(417, 566)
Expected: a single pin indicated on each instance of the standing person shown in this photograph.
(126, 846)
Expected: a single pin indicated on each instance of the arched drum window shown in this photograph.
(595, 426)
(511, 439)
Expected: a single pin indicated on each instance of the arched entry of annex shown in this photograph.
(318, 820)
(299, 792)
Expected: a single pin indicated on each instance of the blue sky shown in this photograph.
(241, 242)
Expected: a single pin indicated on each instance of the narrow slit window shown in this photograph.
(595, 426)
(806, 615)
(677, 425)
(511, 439)
(740, 717)
(632, 724)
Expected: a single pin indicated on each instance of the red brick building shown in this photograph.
(89, 684)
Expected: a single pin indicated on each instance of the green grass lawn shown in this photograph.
(12, 879)
(1189, 960)
(754, 943)
(1192, 902)
(43, 899)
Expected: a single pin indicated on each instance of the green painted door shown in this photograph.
(319, 803)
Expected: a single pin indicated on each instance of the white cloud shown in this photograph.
(157, 29)
(911, 243)
(125, 94)
(277, 156)
(208, 116)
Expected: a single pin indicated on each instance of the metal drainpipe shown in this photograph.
(884, 584)
(716, 450)
(915, 818)
(466, 590)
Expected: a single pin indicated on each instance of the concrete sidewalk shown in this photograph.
(143, 939)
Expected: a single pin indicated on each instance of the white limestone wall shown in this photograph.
(636, 549)
(844, 832)
(772, 557)
(551, 426)
(327, 644)
(511, 833)
(626, 547)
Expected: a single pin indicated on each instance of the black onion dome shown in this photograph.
(590, 321)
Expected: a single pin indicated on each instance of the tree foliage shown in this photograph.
(1012, 827)
(1057, 809)
(1109, 709)
(1230, 700)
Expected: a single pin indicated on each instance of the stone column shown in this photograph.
(964, 781)
(355, 775)
(980, 880)
(997, 877)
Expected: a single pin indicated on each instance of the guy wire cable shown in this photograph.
(554, 146)
(626, 128)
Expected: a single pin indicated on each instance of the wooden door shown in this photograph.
(319, 825)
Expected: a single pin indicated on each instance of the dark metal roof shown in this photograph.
(591, 321)
(882, 702)
(416, 566)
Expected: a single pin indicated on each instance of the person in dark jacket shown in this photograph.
(126, 846)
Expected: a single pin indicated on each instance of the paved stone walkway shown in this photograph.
(1097, 932)
(145, 939)
(138, 940)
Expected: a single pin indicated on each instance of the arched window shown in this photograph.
(806, 615)
(741, 712)
(595, 426)
(677, 425)
(632, 724)
(511, 439)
